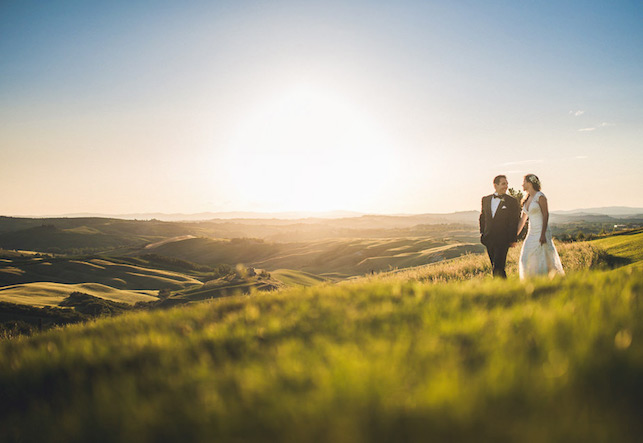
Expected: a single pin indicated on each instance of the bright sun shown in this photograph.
(309, 150)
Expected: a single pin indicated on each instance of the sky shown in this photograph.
(377, 107)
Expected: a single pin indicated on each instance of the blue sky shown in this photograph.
(377, 107)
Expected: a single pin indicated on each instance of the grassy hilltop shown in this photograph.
(433, 353)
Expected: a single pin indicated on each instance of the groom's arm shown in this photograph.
(481, 221)
(515, 220)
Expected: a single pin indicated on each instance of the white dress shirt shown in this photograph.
(495, 203)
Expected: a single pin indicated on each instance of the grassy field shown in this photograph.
(627, 245)
(417, 355)
(578, 256)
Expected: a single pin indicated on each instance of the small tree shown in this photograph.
(518, 195)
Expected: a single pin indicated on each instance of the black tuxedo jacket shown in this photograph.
(501, 228)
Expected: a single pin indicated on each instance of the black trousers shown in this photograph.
(498, 256)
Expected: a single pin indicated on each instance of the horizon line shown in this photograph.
(334, 214)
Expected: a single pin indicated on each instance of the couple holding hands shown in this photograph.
(502, 220)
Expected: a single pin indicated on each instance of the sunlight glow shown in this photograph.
(309, 149)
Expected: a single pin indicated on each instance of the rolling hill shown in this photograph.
(120, 237)
(389, 357)
(48, 238)
(92, 270)
(614, 211)
(345, 257)
(52, 294)
(102, 235)
(626, 245)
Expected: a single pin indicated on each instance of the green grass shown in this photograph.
(394, 357)
(574, 256)
(627, 245)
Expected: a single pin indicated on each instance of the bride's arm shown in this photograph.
(522, 222)
(542, 201)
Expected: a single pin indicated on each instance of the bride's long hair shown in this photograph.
(535, 182)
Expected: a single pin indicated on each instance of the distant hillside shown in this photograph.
(52, 294)
(614, 211)
(582, 217)
(463, 216)
(339, 256)
(103, 235)
(590, 222)
(68, 271)
(49, 238)
(218, 215)
(75, 235)
(152, 228)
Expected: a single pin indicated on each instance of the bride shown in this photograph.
(538, 255)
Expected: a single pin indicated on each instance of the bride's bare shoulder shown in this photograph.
(539, 196)
(542, 201)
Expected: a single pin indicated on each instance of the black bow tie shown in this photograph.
(499, 196)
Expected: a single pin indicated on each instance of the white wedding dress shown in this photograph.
(537, 259)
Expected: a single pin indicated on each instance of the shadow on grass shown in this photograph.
(614, 261)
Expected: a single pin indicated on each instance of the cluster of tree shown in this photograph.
(78, 307)
(517, 194)
(569, 232)
(579, 236)
(219, 271)
(93, 306)
(26, 320)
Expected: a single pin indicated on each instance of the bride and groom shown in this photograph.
(501, 221)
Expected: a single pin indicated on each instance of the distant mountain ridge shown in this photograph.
(202, 216)
(458, 216)
(609, 210)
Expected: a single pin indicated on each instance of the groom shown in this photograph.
(498, 224)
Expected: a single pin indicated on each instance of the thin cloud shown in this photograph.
(577, 113)
(600, 126)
